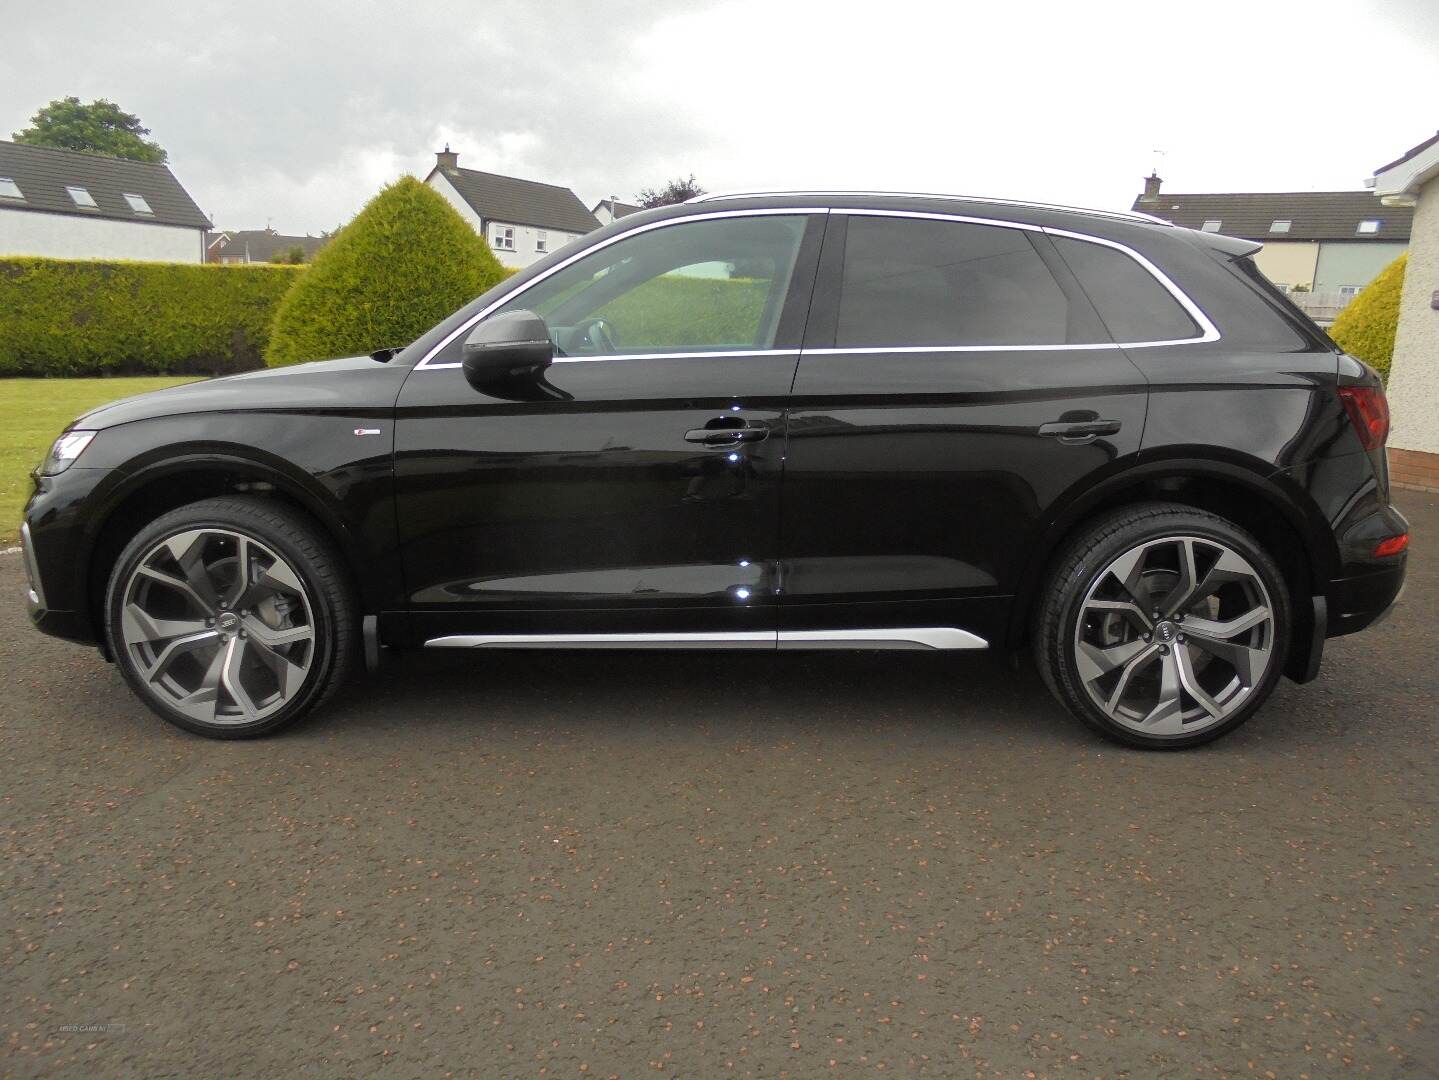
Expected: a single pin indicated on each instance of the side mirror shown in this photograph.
(508, 350)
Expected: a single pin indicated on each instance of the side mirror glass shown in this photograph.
(507, 351)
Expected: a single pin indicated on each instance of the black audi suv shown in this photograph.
(807, 420)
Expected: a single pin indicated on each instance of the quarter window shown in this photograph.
(917, 282)
(1133, 304)
(703, 286)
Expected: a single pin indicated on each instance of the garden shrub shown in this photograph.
(74, 317)
(1366, 326)
(405, 262)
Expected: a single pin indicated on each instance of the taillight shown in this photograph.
(1368, 411)
(1392, 546)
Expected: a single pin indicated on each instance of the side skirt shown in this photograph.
(900, 637)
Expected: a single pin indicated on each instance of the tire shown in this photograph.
(217, 657)
(1209, 661)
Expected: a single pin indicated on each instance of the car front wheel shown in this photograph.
(231, 617)
(1163, 626)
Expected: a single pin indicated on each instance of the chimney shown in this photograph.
(1151, 187)
(447, 159)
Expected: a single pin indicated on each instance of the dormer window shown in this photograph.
(1212, 225)
(1280, 226)
(9, 189)
(82, 198)
(1370, 226)
(138, 204)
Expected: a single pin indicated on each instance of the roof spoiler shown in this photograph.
(1231, 246)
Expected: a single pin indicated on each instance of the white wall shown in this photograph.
(525, 235)
(69, 236)
(1414, 374)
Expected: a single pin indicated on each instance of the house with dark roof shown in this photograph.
(1326, 243)
(523, 220)
(607, 210)
(68, 205)
(258, 246)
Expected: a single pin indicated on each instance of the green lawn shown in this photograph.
(32, 412)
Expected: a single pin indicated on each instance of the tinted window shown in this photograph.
(708, 285)
(1134, 306)
(910, 281)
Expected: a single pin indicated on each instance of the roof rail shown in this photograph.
(1129, 215)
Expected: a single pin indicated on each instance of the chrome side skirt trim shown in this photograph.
(902, 637)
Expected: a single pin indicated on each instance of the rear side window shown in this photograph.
(919, 282)
(1134, 306)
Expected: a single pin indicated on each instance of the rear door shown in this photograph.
(955, 382)
(639, 493)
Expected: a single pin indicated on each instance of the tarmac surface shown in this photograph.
(789, 865)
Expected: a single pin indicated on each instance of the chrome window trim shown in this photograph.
(425, 365)
(1208, 331)
(944, 638)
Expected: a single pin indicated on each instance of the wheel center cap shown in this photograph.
(1166, 631)
(228, 622)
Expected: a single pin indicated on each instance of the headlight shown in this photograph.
(67, 448)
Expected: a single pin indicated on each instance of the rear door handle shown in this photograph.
(727, 431)
(1080, 430)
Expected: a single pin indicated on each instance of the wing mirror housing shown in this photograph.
(508, 351)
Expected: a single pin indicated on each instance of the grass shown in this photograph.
(32, 413)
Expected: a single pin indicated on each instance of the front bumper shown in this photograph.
(57, 547)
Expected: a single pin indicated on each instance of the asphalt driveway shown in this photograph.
(703, 866)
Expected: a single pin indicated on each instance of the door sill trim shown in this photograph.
(927, 638)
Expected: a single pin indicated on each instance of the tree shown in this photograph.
(1366, 326)
(293, 255)
(100, 127)
(405, 262)
(677, 190)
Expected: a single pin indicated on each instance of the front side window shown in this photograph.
(504, 238)
(917, 282)
(1135, 307)
(701, 286)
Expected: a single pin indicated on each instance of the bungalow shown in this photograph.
(608, 210)
(258, 246)
(69, 205)
(523, 220)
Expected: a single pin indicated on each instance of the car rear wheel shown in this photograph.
(1163, 627)
(231, 617)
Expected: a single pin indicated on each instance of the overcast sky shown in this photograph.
(296, 113)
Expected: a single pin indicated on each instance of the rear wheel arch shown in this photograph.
(168, 485)
(1277, 513)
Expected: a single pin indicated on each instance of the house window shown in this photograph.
(1212, 225)
(138, 204)
(504, 238)
(542, 241)
(1349, 291)
(1280, 226)
(82, 198)
(1368, 226)
(9, 189)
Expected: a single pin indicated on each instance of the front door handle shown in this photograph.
(1080, 430)
(727, 431)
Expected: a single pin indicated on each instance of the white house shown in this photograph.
(69, 205)
(523, 220)
(608, 210)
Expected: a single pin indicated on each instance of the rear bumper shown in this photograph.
(1362, 600)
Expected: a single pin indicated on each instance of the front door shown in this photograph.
(956, 381)
(639, 496)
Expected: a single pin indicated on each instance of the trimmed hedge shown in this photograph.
(677, 312)
(1366, 326)
(65, 318)
(405, 262)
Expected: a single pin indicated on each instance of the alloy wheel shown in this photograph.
(218, 626)
(1174, 635)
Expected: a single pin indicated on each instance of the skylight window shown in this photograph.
(9, 189)
(138, 204)
(1369, 226)
(1280, 226)
(82, 198)
(1212, 225)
